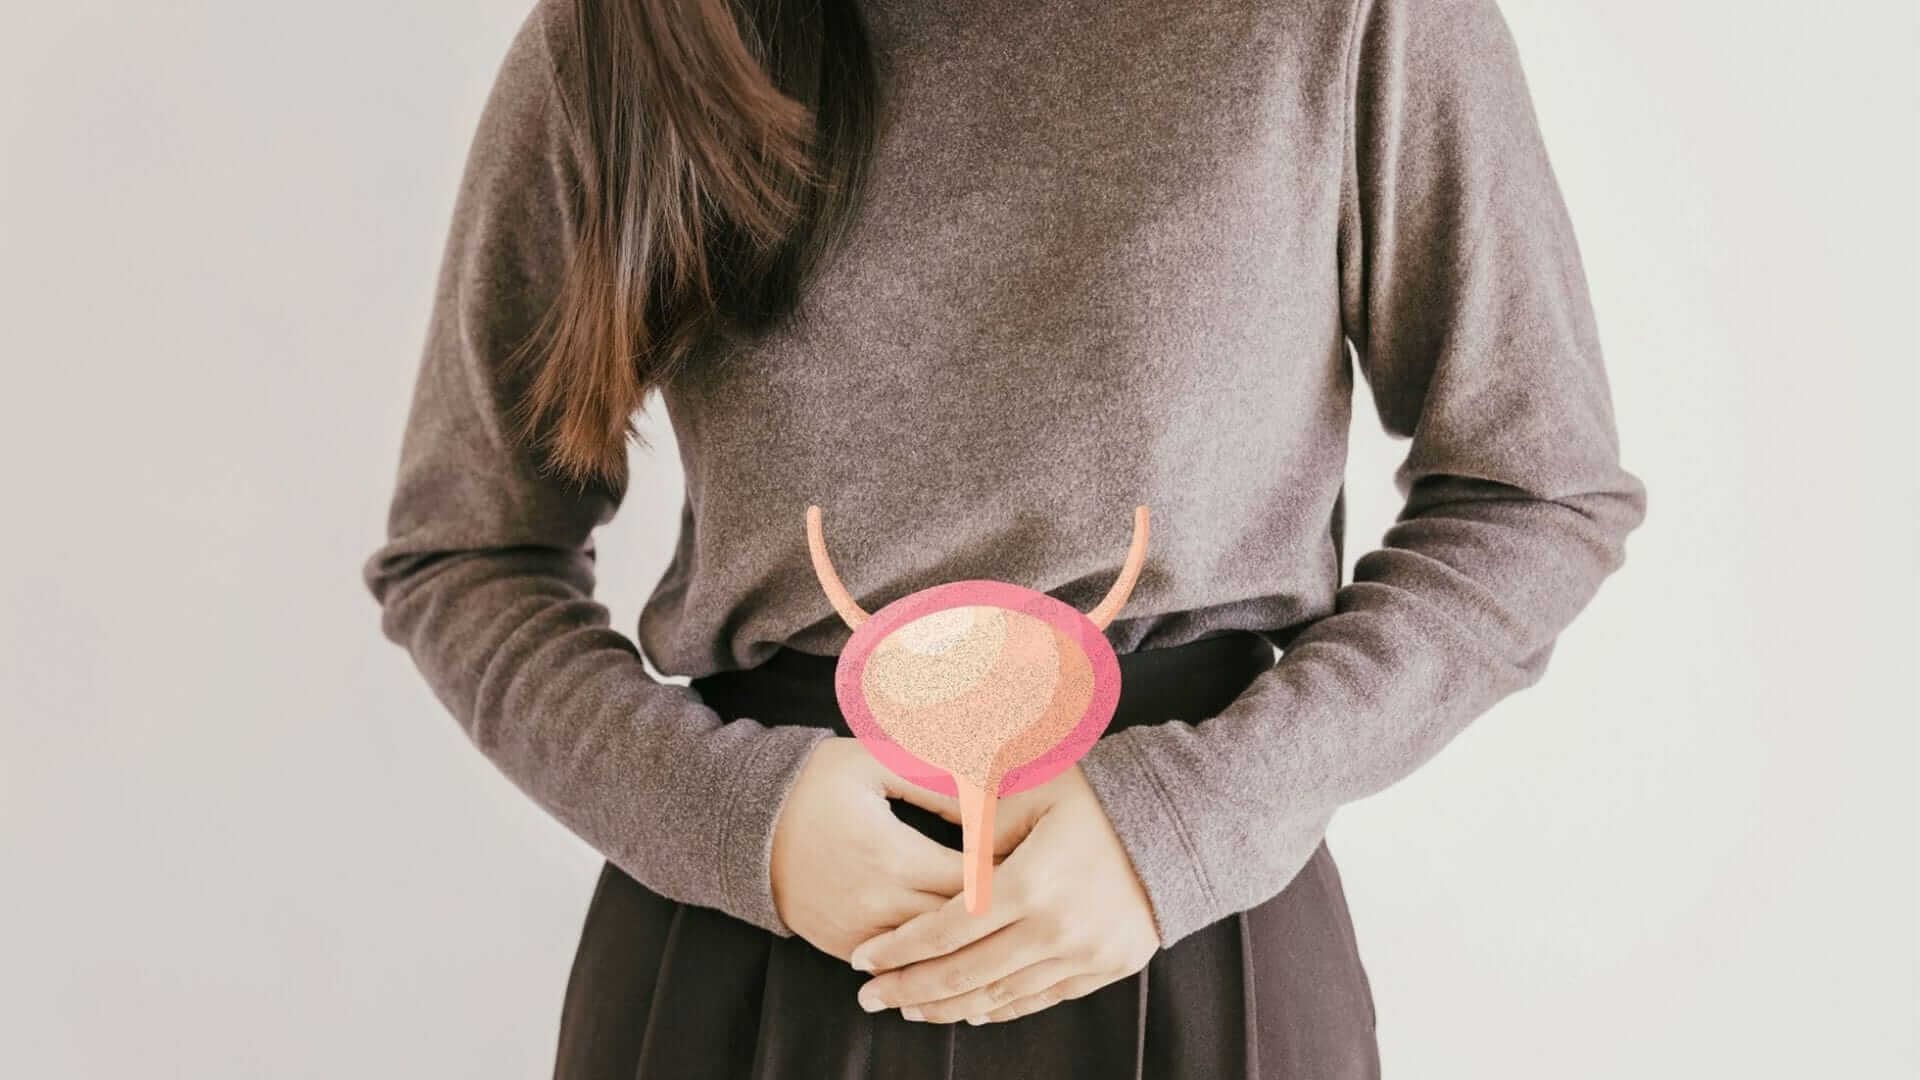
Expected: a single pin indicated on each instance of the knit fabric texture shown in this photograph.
(1111, 254)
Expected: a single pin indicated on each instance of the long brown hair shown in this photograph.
(729, 144)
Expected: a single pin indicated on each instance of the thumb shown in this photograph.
(1016, 815)
(1013, 818)
(895, 787)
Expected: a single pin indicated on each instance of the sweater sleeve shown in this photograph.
(1464, 298)
(487, 573)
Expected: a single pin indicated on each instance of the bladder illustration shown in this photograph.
(977, 689)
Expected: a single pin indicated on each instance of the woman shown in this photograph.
(978, 279)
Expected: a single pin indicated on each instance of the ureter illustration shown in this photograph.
(977, 689)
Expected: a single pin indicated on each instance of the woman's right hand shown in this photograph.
(844, 867)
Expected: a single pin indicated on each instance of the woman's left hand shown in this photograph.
(1068, 916)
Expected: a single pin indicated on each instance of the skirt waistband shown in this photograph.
(1190, 682)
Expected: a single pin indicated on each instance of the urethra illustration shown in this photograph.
(977, 689)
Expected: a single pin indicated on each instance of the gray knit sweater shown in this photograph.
(1113, 253)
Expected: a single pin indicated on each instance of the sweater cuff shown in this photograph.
(1156, 841)
(759, 792)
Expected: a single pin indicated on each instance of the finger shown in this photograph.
(936, 933)
(993, 957)
(1013, 817)
(868, 911)
(1066, 990)
(904, 905)
(919, 861)
(998, 994)
(894, 787)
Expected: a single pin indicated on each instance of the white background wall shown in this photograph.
(238, 838)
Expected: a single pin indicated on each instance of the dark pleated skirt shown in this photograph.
(666, 991)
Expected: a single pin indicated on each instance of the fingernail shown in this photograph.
(976, 1020)
(861, 960)
(913, 1013)
(871, 1002)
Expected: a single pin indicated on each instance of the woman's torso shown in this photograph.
(1095, 267)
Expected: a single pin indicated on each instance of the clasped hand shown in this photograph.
(1068, 914)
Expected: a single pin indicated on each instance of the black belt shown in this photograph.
(1187, 682)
